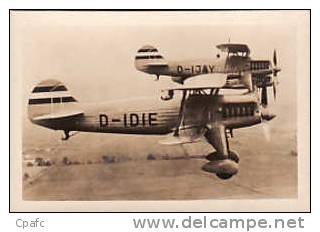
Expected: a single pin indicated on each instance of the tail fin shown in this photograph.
(148, 59)
(48, 98)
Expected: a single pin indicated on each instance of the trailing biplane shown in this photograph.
(232, 60)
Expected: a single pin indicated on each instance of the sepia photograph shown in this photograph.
(159, 111)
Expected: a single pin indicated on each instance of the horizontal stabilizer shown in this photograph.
(59, 115)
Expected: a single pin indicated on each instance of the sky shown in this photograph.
(93, 52)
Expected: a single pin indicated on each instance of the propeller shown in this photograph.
(275, 57)
(275, 70)
(246, 79)
(266, 116)
(275, 74)
(266, 130)
(264, 96)
(264, 121)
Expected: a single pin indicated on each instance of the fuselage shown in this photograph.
(196, 67)
(179, 71)
(157, 116)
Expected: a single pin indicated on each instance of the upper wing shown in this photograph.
(60, 115)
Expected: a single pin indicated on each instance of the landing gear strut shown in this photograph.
(180, 117)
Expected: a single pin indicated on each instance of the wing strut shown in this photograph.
(176, 132)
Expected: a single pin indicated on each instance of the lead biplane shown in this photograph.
(188, 113)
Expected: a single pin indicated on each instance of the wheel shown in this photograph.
(224, 176)
(214, 156)
(234, 156)
(224, 169)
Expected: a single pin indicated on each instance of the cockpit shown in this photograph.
(234, 50)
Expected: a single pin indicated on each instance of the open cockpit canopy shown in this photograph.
(235, 49)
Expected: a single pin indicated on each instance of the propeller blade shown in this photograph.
(266, 130)
(266, 115)
(275, 57)
(275, 74)
(275, 64)
(246, 79)
(274, 85)
(264, 96)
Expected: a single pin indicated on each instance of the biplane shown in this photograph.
(232, 60)
(187, 113)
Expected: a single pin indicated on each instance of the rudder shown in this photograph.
(48, 97)
(148, 56)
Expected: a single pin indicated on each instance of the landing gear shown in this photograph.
(234, 156)
(214, 156)
(180, 117)
(224, 176)
(223, 168)
(223, 162)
